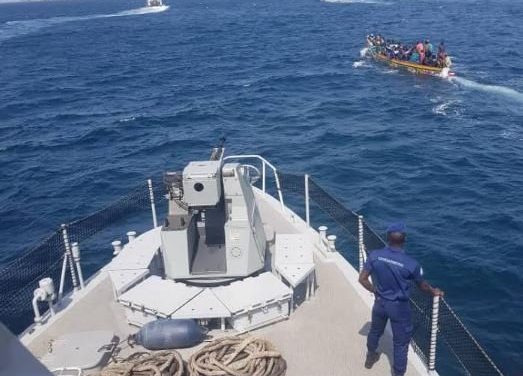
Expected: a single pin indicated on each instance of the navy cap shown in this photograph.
(397, 227)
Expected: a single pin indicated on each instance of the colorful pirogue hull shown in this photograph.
(408, 65)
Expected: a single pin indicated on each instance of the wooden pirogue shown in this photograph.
(377, 54)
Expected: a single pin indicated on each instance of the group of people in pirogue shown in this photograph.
(419, 53)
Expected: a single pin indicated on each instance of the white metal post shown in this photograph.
(75, 248)
(278, 187)
(62, 277)
(263, 176)
(69, 256)
(434, 333)
(307, 212)
(322, 231)
(361, 243)
(153, 206)
(331, 240)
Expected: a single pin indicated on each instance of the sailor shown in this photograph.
(392, 272)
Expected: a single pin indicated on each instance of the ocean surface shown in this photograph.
(97, 95)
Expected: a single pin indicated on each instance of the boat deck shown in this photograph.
(323, 336)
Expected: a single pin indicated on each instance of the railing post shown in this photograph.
(75, 249)
(361, 242)
(434, 333)
(69, 256)
(153, 206)
(263, 176)
(278, 188)
(307, 212)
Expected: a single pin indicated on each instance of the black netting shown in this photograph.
(345, 218)
(421, 308)
(20, 278)
(137, 199)
(453, 336)
(371, 240)
(463, 345)
(292, 183)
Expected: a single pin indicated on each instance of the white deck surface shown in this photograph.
(242, 295)
(160, 295)
(203, 306)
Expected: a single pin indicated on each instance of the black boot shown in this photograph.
(372, 358)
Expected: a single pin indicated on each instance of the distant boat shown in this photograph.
(154, 3)
(378, 53)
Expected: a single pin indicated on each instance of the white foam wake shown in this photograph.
(12, 29)
(494, 89)
(363, 52)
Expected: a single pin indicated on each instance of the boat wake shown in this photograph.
(447, 107)
(494, 89)
(359, 63)
(13, 29)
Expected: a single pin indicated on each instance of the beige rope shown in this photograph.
(237, 356)
(159, 363)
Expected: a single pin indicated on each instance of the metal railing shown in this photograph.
(264, 164)
(436, 324)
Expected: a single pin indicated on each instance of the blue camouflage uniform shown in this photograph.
(392, 272)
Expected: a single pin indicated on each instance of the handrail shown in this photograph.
(265, 163)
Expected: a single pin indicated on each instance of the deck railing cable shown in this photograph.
(468, 354)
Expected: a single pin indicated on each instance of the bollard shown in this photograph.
(131, 235)
(323, 232)
(332, 242)
(117, 247)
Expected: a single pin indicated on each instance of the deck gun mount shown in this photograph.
(213, 230)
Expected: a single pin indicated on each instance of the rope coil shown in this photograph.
(237, 356)
(160, 363)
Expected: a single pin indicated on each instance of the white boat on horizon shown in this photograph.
(154, 3)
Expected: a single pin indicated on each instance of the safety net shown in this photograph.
(458, 352)
(19, 278)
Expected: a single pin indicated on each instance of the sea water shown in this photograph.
(97, 95)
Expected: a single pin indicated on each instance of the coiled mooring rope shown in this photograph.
(159, 363)
(237, 356)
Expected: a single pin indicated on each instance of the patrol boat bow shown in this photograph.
(230, 255)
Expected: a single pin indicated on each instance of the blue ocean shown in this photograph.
(95, 96)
